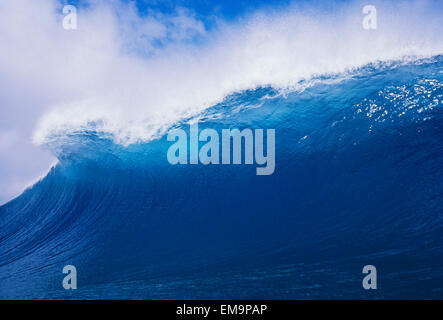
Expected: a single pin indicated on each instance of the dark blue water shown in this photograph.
(358, 180)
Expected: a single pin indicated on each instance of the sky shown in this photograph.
(133, 68)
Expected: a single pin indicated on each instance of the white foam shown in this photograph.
(115, 81)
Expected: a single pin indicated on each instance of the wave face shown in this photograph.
(358, 181)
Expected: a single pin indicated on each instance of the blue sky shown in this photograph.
(228, 9)
(208, 10)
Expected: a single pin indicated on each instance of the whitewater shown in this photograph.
(136, 96)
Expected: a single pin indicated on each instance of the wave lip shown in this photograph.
(278, 49)
(56, 128)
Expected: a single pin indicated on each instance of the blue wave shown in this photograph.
(358, 180)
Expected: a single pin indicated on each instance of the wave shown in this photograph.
(357, 181)
(135, 97)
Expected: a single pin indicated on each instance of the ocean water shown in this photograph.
(357, 181)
